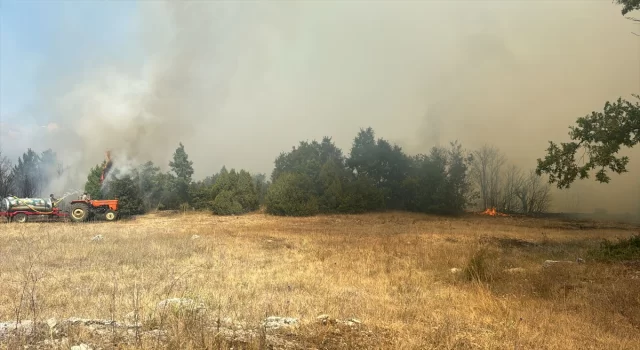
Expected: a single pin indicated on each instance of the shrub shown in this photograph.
(291, 195)
(226, 204)
(360, 196)
(477, 269)
(624, 249)
(128, 195)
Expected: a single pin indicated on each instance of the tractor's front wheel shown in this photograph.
(79, 212)
(110, 215)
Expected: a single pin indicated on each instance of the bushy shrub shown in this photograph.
(624, 249)
(234, 193)
(226, 204)
(291, 195)
(361, 195)
(127, 192)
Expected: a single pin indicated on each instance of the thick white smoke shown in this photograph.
(239, 82)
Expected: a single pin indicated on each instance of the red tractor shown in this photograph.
(83, 210)
(38, 209)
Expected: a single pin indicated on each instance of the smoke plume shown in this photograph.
(238, 83)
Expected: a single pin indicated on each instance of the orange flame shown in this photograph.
(493, 212)
(106, 167)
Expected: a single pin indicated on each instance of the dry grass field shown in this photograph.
(390, 272)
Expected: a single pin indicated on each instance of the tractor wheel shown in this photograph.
(21, 218)
(79, 212)
(110, 215)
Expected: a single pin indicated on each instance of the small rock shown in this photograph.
(548, 263)
(195, 237)
(352, 322)
(97, 238)
(81, 347)
(324, 318)
(7, 327)
(275, 322)
(456, 270)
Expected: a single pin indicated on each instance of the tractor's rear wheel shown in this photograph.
(110, 215)
(21, 218)
(79, 212)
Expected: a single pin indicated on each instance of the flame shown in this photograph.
(106, 167)
(493, 212)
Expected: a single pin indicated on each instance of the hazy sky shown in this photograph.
(238, 83)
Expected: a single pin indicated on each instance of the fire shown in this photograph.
(493, 212)
(106, 167)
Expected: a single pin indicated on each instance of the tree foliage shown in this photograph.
(486, 172)
(234, 193)
(600, 136)
(384, 164)
(5, 176)
(126, 190)
(33, 173)
(182, 167)
(292, 194)
(628, 5)
(316, 178)
(93, 186)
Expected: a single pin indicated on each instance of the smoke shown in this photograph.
(238, 83)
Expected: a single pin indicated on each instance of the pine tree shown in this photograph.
(181, 165)
(183, 169)
(93, 186)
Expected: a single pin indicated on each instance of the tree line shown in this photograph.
(312, 178)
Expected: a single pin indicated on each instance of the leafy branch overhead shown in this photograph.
(600, 136)
(628, 5)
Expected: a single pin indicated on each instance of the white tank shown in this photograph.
(12, 204)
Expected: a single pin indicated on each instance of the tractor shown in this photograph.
(83, 210)
(37, 209)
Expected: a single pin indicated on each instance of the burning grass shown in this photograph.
(390, 271)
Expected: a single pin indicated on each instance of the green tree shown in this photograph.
(26, 175)
(245, 192)
(307, 159)
(226, 203)
(201, 194)
(332, 177)
(234, 193)
(628, 5)
(169, 197)
(182, 167)
(5, 176)
(360, 195)
(149, 184)
(600, 136)
(262, 185)
(93, 186)
(424, 188)
(459, 187)
(292, 194)
(126, 190)
(385, 164)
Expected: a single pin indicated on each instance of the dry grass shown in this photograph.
(391, 271)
